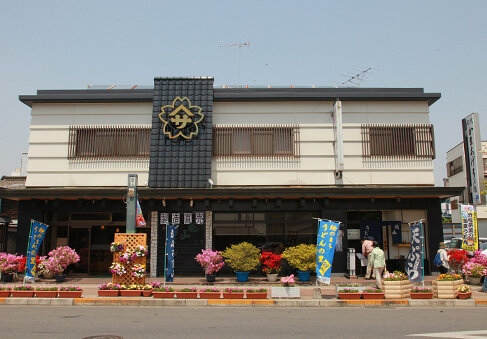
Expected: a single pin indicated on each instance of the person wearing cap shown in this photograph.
(444, 257)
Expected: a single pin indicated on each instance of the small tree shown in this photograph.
(243, 257)
(302, 257)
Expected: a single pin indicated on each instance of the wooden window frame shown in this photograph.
(109, 142)
(398, 141)
(262, 141)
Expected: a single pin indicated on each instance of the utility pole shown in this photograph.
(131, 203)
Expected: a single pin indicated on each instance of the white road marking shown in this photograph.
(460, 334)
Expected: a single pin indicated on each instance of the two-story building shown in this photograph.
(230, 165)
(456, 174)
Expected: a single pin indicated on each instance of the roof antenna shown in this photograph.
(356, 78)
(239, 46)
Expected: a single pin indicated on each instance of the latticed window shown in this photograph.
(277, 141)
(406, 141)
(454, 167)
(109, 142)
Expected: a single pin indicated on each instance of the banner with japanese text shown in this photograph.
(414, 261)
(37, 232)
(170, 239)
(327, 235)
(470, 239)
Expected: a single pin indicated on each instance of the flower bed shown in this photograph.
(187, 293)
(446, 285)
(349, 293)
(396, 285)
(421, 293)
(46, 292)
(260, 293)
(233, 293)
(5, 291)
(163, 292)
(373, 293)
(210, 293)
(70, 292)
(108, 290)
(26, 291)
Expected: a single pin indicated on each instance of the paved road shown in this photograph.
(172, 322)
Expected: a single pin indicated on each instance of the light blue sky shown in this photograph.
(436, 45)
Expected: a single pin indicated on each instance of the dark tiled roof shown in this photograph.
(12, 182)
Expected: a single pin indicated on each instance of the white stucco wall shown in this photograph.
(48, 165)
(316, 164)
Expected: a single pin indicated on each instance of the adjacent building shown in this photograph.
(457, 176)
(230, 165)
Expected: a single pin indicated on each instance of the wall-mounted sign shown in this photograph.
(181, 118)
(353, 234)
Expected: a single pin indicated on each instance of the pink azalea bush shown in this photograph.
(479, 258)
(9, 263)
(474, 270)
(210, 261)
(60, 258)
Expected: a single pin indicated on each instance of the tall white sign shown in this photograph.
(473, 155)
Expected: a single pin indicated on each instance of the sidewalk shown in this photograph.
(328, 298)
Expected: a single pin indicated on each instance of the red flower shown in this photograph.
(271, 263)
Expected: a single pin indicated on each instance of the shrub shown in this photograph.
(302, 257)
(243, 257)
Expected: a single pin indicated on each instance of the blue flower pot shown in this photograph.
(304, 275)
(242, 276)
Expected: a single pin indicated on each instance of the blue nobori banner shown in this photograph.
(414, 262)
(327, 235)
(170, 239)
(37, 231)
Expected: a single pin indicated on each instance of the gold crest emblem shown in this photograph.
(181, 118)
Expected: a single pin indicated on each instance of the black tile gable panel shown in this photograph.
(181, 163)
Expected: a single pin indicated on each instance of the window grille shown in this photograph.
(237, 141)
(398, 141)
(109, 142)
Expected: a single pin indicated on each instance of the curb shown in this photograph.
(242, 302)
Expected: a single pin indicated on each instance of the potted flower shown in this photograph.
(8, 266)
(147, 290)
(271, 265)
(303, 258)
(132, 290)
(349, 293)
(118, 269)
(116, 247)
(156, 284)
(5, 291)
(373, 293)
(209, 293)
(474, 271)
(108, 290)
(257, 293)
(211, 262)
(26, 291)
(140, 251)
(59, 259)
(233, 293)
(187, 293)
(138, 271)
(70, 292)
(46, 292)
(396, 285)
(464, 292)
(163, 292)
(286, 291)
(457, 258)
(421, 293)
(243, 258)
(126, 257)
(446, 285)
